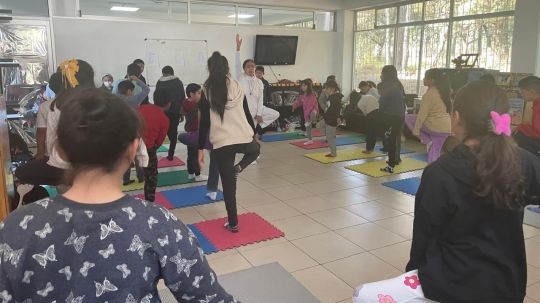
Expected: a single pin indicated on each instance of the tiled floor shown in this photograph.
(342, 228)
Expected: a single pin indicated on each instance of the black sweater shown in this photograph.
(334, 110)
(175, 90)
(464, 250)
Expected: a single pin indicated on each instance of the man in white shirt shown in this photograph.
(254, 91)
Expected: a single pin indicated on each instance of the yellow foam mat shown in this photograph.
(343, 155)
(373, 169)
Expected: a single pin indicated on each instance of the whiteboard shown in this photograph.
(188, 58)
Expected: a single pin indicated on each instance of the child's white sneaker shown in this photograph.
(212, 195)
(200, 178)
(308, 142)
(191, 176)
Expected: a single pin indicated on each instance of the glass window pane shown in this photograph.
(289, 18)
(373, 50)
(324, 21)
(387, 16)
(212, 13)
(491, 38)
(407, 57)
(434, 48)
(410, 12)
(36, 8)
(365, 20)
(473, 7)
(437, 9)
(248, 15)
(143, 9)
(179, 11)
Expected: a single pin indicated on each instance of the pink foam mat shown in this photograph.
(163, 162)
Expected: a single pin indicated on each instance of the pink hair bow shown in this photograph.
(501, 124)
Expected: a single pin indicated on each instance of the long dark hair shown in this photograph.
(75, 73)
(389, 75)
(216, 84)
(95, 129)
(498, 172)
(309, 85)
(442, 83)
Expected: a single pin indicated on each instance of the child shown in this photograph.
(367, 89)
(369, 106)
(126, 89)
(468, 220)
(528, 133)
(127, 244)
(332, 115)
(190, 110)
(156, 127)
(308, 101)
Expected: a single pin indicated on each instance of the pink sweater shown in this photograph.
(309, 104)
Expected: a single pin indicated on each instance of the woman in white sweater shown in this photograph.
(225, 113)
(432, 124)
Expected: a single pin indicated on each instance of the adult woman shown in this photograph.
(392, 109)
(254, 91)
(225, 113)
(432, 124)
(467, 241)
(94, 243)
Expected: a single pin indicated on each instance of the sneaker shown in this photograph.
(233, 229)
(330, 156)
(389, 169)
(191, 176)
(212, 195)
(254, 162)
(170, 158)
(200, 178)
(309, 142)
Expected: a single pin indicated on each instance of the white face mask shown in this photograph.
(107, 84)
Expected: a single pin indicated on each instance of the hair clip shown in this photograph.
(69, 69)
(501, 124)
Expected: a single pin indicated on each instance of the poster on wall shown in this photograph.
(516, 110)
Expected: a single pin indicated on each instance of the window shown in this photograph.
(179, 11)
(387, 16)
(248, 15)
(324, 21)
(290, 18)
(35, 8)
(365, 20)
(143, 9)
(417, 36)
(474, 7)
(410, 12)
(213, 13)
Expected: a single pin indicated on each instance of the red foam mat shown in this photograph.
(253, 229)
(163, 162)
(160, 199)
(317, 143)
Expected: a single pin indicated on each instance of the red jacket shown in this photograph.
(156, 125)
(532, 130)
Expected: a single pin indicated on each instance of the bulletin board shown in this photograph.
(188, 58)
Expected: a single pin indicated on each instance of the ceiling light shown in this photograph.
(121, 8)
(241, 16)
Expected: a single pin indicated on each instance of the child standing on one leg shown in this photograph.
(308, 101)
(156, 127)
(190, 110)
(332, 115)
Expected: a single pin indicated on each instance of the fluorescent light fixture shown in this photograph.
(121, 8)
(241, 16)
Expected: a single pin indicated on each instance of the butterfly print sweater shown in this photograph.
(60, 250)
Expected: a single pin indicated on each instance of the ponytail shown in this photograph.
(216, 84)
(498, 179)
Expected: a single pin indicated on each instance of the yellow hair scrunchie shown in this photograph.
(69, 69)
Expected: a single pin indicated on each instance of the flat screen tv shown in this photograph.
(275, 50)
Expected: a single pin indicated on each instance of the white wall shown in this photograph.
(526, 44)
(111, 45)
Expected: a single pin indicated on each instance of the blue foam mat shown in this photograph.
(403, 150)
(408, 186)
(204, 243)
(420, 157)
(190, 196)
(347, 140)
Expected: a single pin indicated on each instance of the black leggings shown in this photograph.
(193, 160)
(172, 133)
(395, 124)
(38, 172)
(225, 157)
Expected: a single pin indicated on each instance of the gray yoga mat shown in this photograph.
(269, 283)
